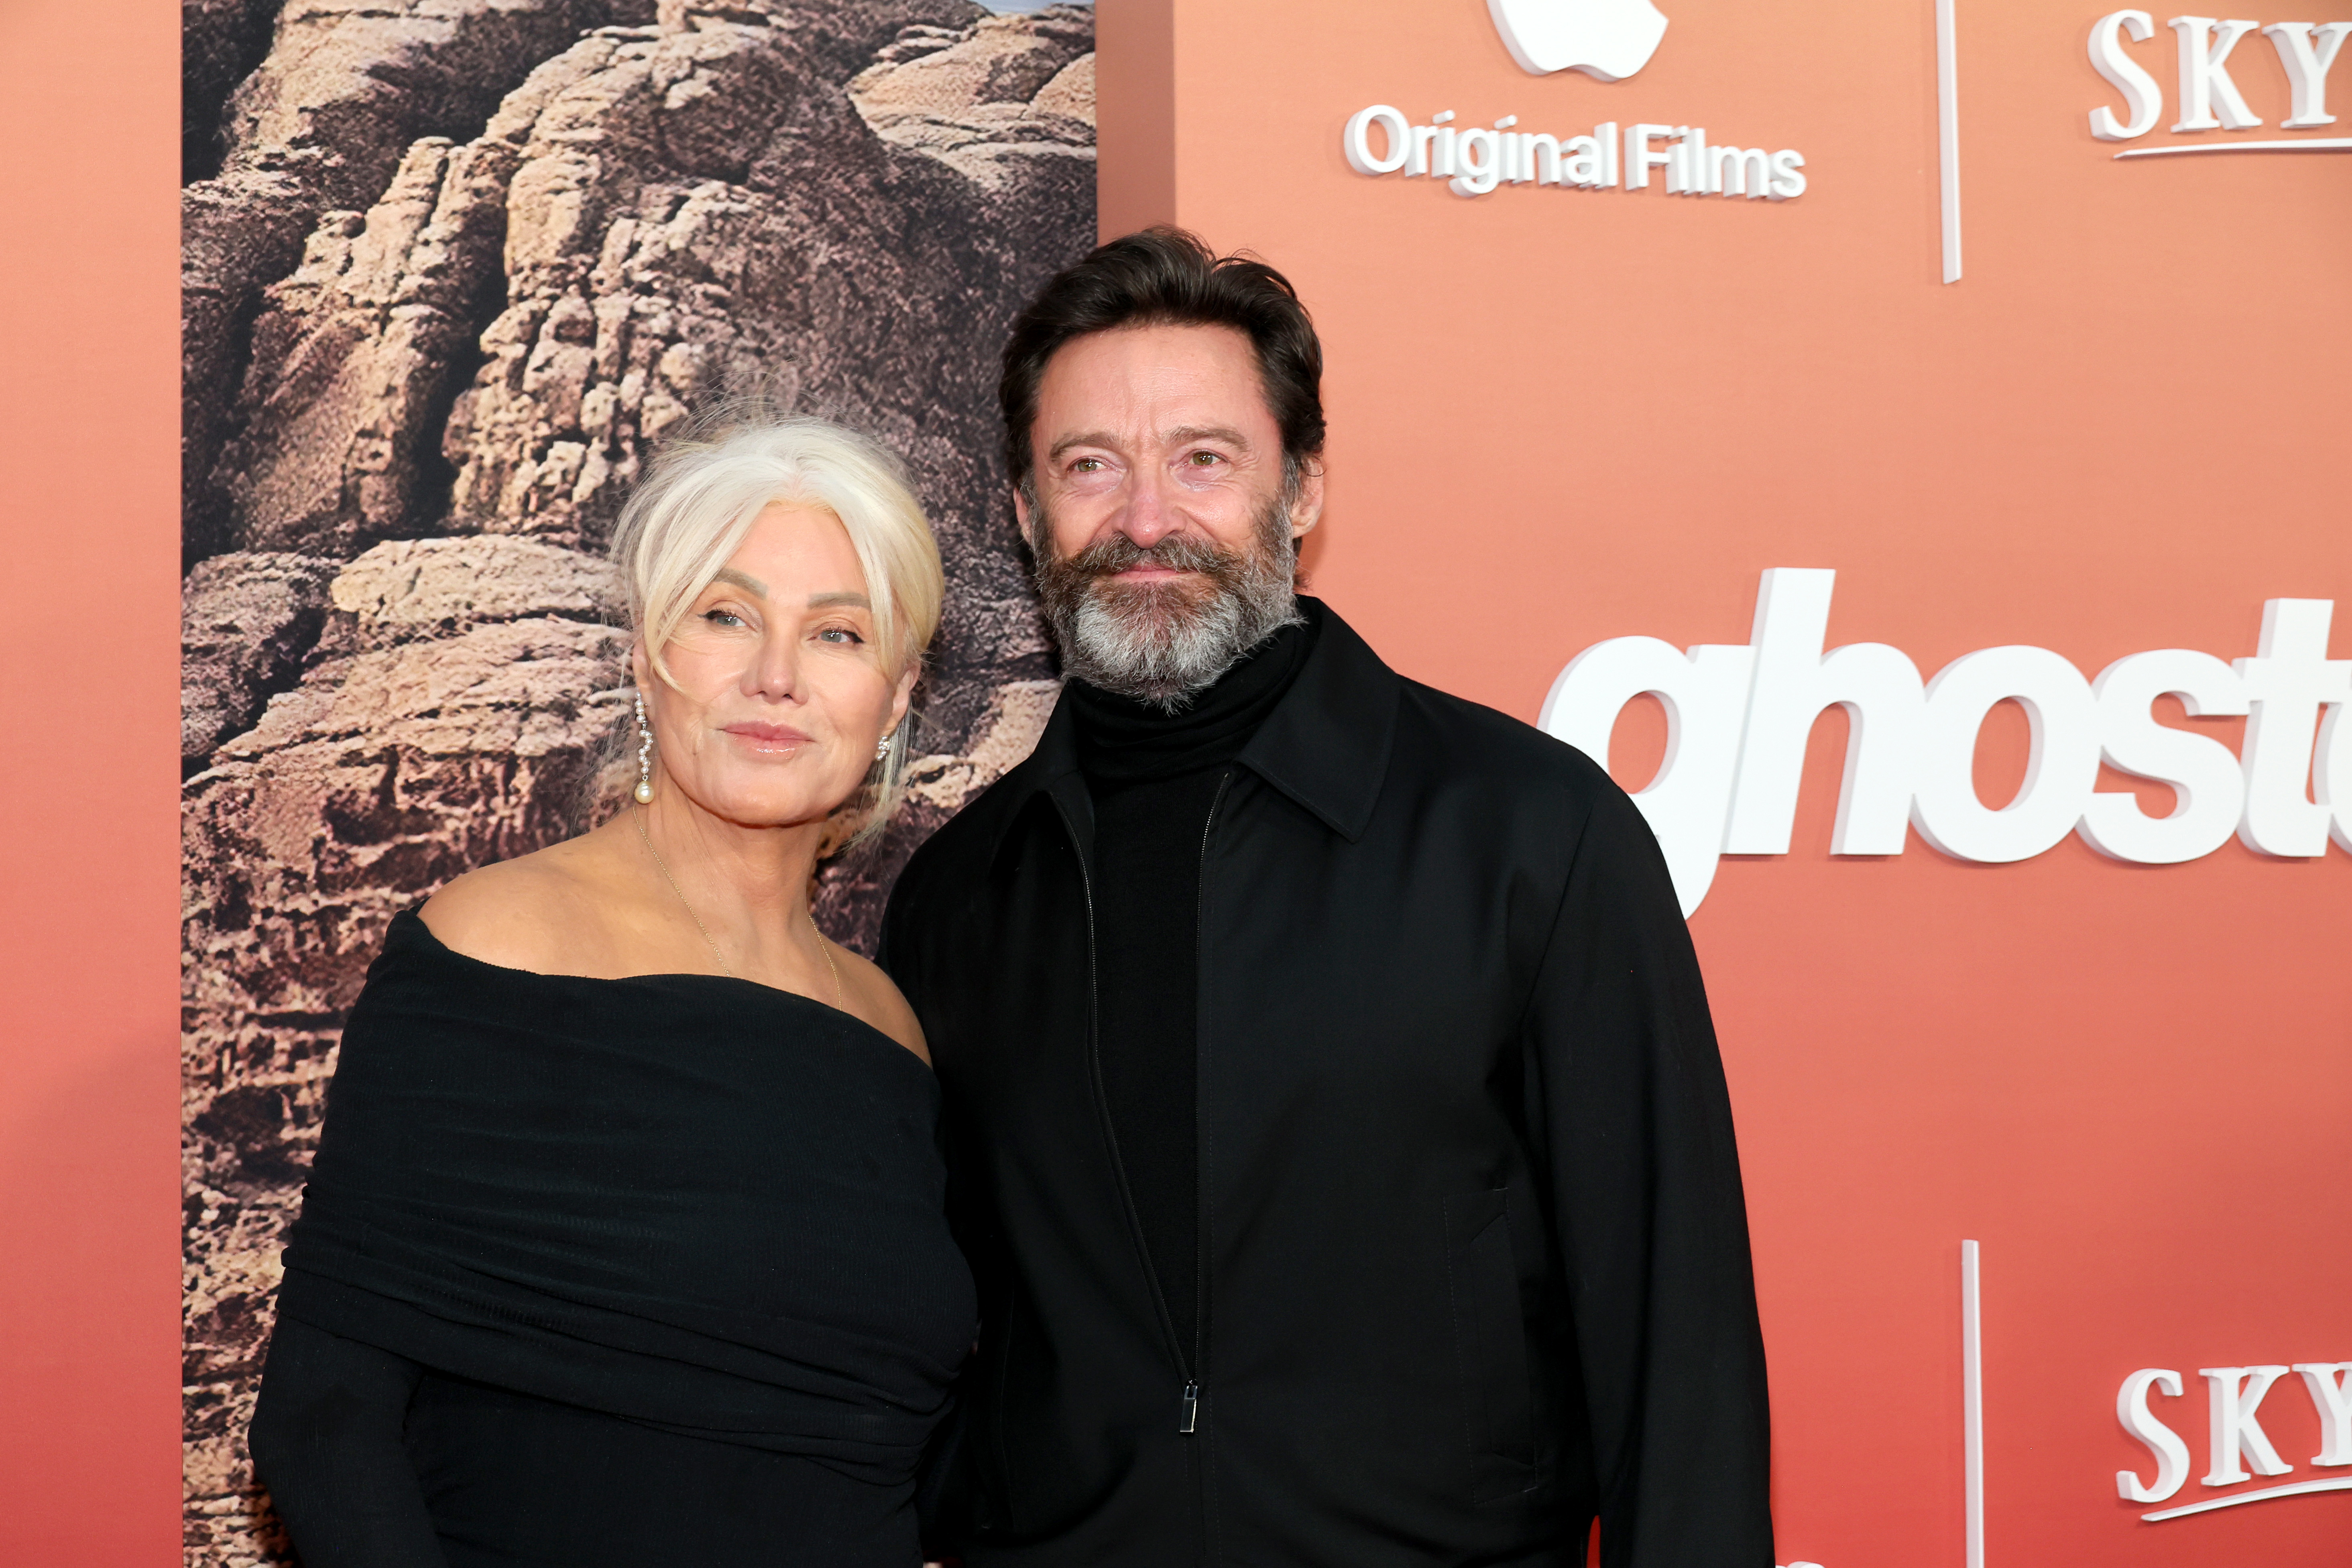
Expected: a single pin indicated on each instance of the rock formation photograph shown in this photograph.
(451, 270)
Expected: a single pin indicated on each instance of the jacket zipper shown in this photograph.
(1190, 1401)
(1200, 1363)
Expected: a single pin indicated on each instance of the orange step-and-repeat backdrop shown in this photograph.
(1639, 330)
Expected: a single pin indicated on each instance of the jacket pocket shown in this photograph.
(1490, 1343)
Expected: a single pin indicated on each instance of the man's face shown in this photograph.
(1160, 520)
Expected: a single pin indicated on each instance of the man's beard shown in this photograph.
(1164, 641)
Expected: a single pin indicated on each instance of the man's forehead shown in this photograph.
(1167, 381)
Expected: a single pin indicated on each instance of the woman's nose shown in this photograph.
(775, 674)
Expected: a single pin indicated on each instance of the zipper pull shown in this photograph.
(1191, 1408)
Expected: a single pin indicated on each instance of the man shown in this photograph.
(1336, 1126)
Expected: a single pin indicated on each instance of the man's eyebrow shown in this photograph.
(1089, 439)
(743, 580)
(1225, 434)
(846, 597)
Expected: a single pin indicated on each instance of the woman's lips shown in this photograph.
(768, 737)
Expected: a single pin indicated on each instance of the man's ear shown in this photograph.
(1306, 506)
(1021, 508)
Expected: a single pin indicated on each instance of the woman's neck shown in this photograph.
(745, 875)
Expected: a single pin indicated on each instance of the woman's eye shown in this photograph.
(722, 617)
(841, 637)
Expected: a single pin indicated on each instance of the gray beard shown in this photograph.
(1164, 643)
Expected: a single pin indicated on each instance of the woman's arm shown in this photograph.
(326, 1440)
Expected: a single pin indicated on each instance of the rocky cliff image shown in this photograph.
(451, 269)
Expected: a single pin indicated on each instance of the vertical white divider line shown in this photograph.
(1972, 1394)
(1947, 134)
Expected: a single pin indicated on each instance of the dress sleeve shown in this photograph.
(1652, 1225)
(326, 1440)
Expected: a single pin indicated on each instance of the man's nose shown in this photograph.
(1151, 515)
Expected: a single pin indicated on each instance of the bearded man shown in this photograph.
(1335, 1125)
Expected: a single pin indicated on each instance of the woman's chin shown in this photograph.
(748, 805)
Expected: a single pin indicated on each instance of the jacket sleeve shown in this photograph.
(326, 1440)
(1652, 1225)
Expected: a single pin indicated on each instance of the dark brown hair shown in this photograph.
(1166, 276)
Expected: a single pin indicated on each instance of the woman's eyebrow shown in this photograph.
(743, 580)
(827, 601)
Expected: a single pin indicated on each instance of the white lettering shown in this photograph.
(2143, 99)
(1685, 803)
(2287, 683)
(1477, 161)
(2060, 772)
(1787, 183)
(2205, 84)
(1740, 720)
(1739, 171)
(1639, 159)
(2207, 788)
(2306, 68)
(1876, 684)
(1580, 162)
(2235, 1431)
(2171, 1453)
(1357, 141)
(1539, 158)
(2331, 776)
(1474, 160)
(2331, 1394)
(1684, 172)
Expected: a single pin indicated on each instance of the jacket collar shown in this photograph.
(1326, 744)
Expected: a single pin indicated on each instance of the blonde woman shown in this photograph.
(624, 1245)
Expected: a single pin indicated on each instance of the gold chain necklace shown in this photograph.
(638, 815)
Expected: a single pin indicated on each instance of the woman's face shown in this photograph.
(782, 690)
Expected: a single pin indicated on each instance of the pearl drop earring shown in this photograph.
(644, 790)
(882, 752)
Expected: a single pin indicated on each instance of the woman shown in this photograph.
(624, 1244)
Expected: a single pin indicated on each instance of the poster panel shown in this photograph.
(1899, 424)
(449, 272)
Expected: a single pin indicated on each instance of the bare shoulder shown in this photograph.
(877, 999)
(538, 912)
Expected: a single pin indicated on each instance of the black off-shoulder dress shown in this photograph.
(611, 1272)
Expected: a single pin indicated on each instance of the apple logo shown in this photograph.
(1608, 39)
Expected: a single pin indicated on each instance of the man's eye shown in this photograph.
(1203, 459)
(1086, 466)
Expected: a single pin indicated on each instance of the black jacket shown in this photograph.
(1473, 1258)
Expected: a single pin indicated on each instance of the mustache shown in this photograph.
(1116, 552)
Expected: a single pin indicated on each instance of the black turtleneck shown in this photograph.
(1155, 777)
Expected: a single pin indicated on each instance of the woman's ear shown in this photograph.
(640, 670)
(902, 697)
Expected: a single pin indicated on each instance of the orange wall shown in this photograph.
(88, 917)
(1564, 416)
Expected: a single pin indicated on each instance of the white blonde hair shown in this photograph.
(703, 493)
